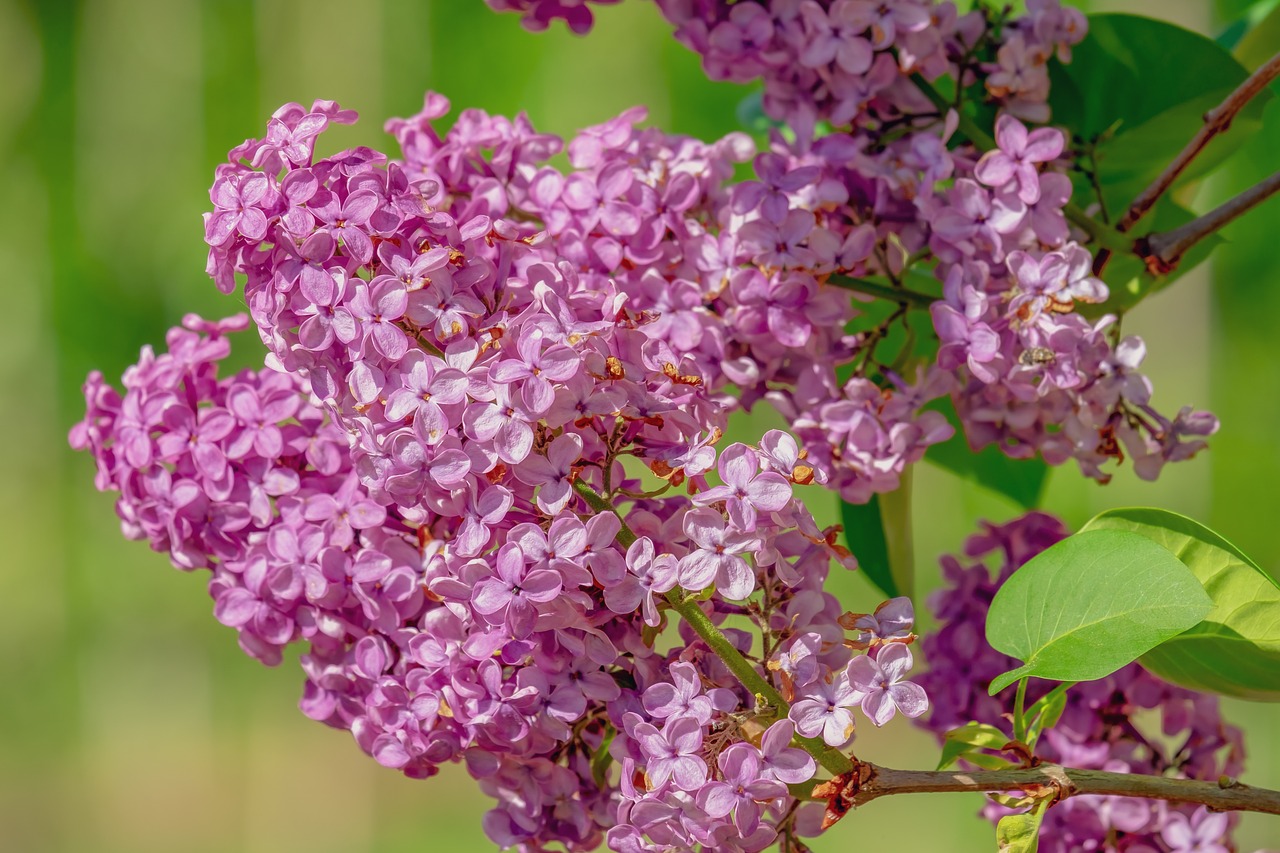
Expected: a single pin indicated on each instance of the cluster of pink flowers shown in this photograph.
(849, 61)
(481, 465)
(874, 181)
(516, 634)
(1128, 722)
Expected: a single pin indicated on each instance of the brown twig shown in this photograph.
(1162, 251)
(869, 782)
(1216, 121)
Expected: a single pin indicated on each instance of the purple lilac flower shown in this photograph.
(717, 557)
(825, 710)
(1013, 164)
(746, 491)
(742, 790)
(672, 753)
(878, 681)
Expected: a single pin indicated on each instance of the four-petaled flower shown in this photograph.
(879, 685)
(1012, 165)
(673, 753)
(746, 491)
(512, 596)
(716, 559)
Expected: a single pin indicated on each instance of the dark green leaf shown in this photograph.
(1091, 604)
(1235, 650)
(1139, 87)
(752, 117)
(1135, 68)
(864, 536)
(1130, 160)
(1020, 480)
(1128, 277)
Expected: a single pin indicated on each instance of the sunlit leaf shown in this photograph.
(1235, 649)
(961, 743)
(1091, 604)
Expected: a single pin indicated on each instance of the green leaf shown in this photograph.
(601, 761)
(1259, 43)
(1235, 649)
(1135, 68)
(1139, 88)
(1020, 833)
(752, 117)
(895, 515)
(1131, 159)
(962, 741)
(1090, 604)
(864, 536)
(1046, 711)
(1020, 480)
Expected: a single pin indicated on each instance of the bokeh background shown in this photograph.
(129, 720)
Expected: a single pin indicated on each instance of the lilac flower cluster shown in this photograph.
(537, 15)
(849, 61)
(245, 477)
(484, 613)
(1035, 375)
(1128, 722)
(686, 799)
(355, 264)
(882, 187)
(519, 638)
(479, 470)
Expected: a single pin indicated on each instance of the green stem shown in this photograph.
(879, 290)
(1102, 234)
(895, 516)
(597, 502)
(702, 625)
(1019, 715)
(967, 125)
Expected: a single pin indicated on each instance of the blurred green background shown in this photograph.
(129, 720)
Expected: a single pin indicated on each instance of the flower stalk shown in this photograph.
(715, 639)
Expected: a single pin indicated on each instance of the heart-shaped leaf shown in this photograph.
(1091, 604)
(1128, 71)
(1235, 649)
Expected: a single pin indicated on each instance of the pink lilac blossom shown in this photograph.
(519, 650)
(1025, 372)
(1128, 722)
(462, 339)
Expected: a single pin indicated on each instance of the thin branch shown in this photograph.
(1216, 121)
(901, 295)
(1163, 251)
(965, 124)
(870, 782)
(1099, 232)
